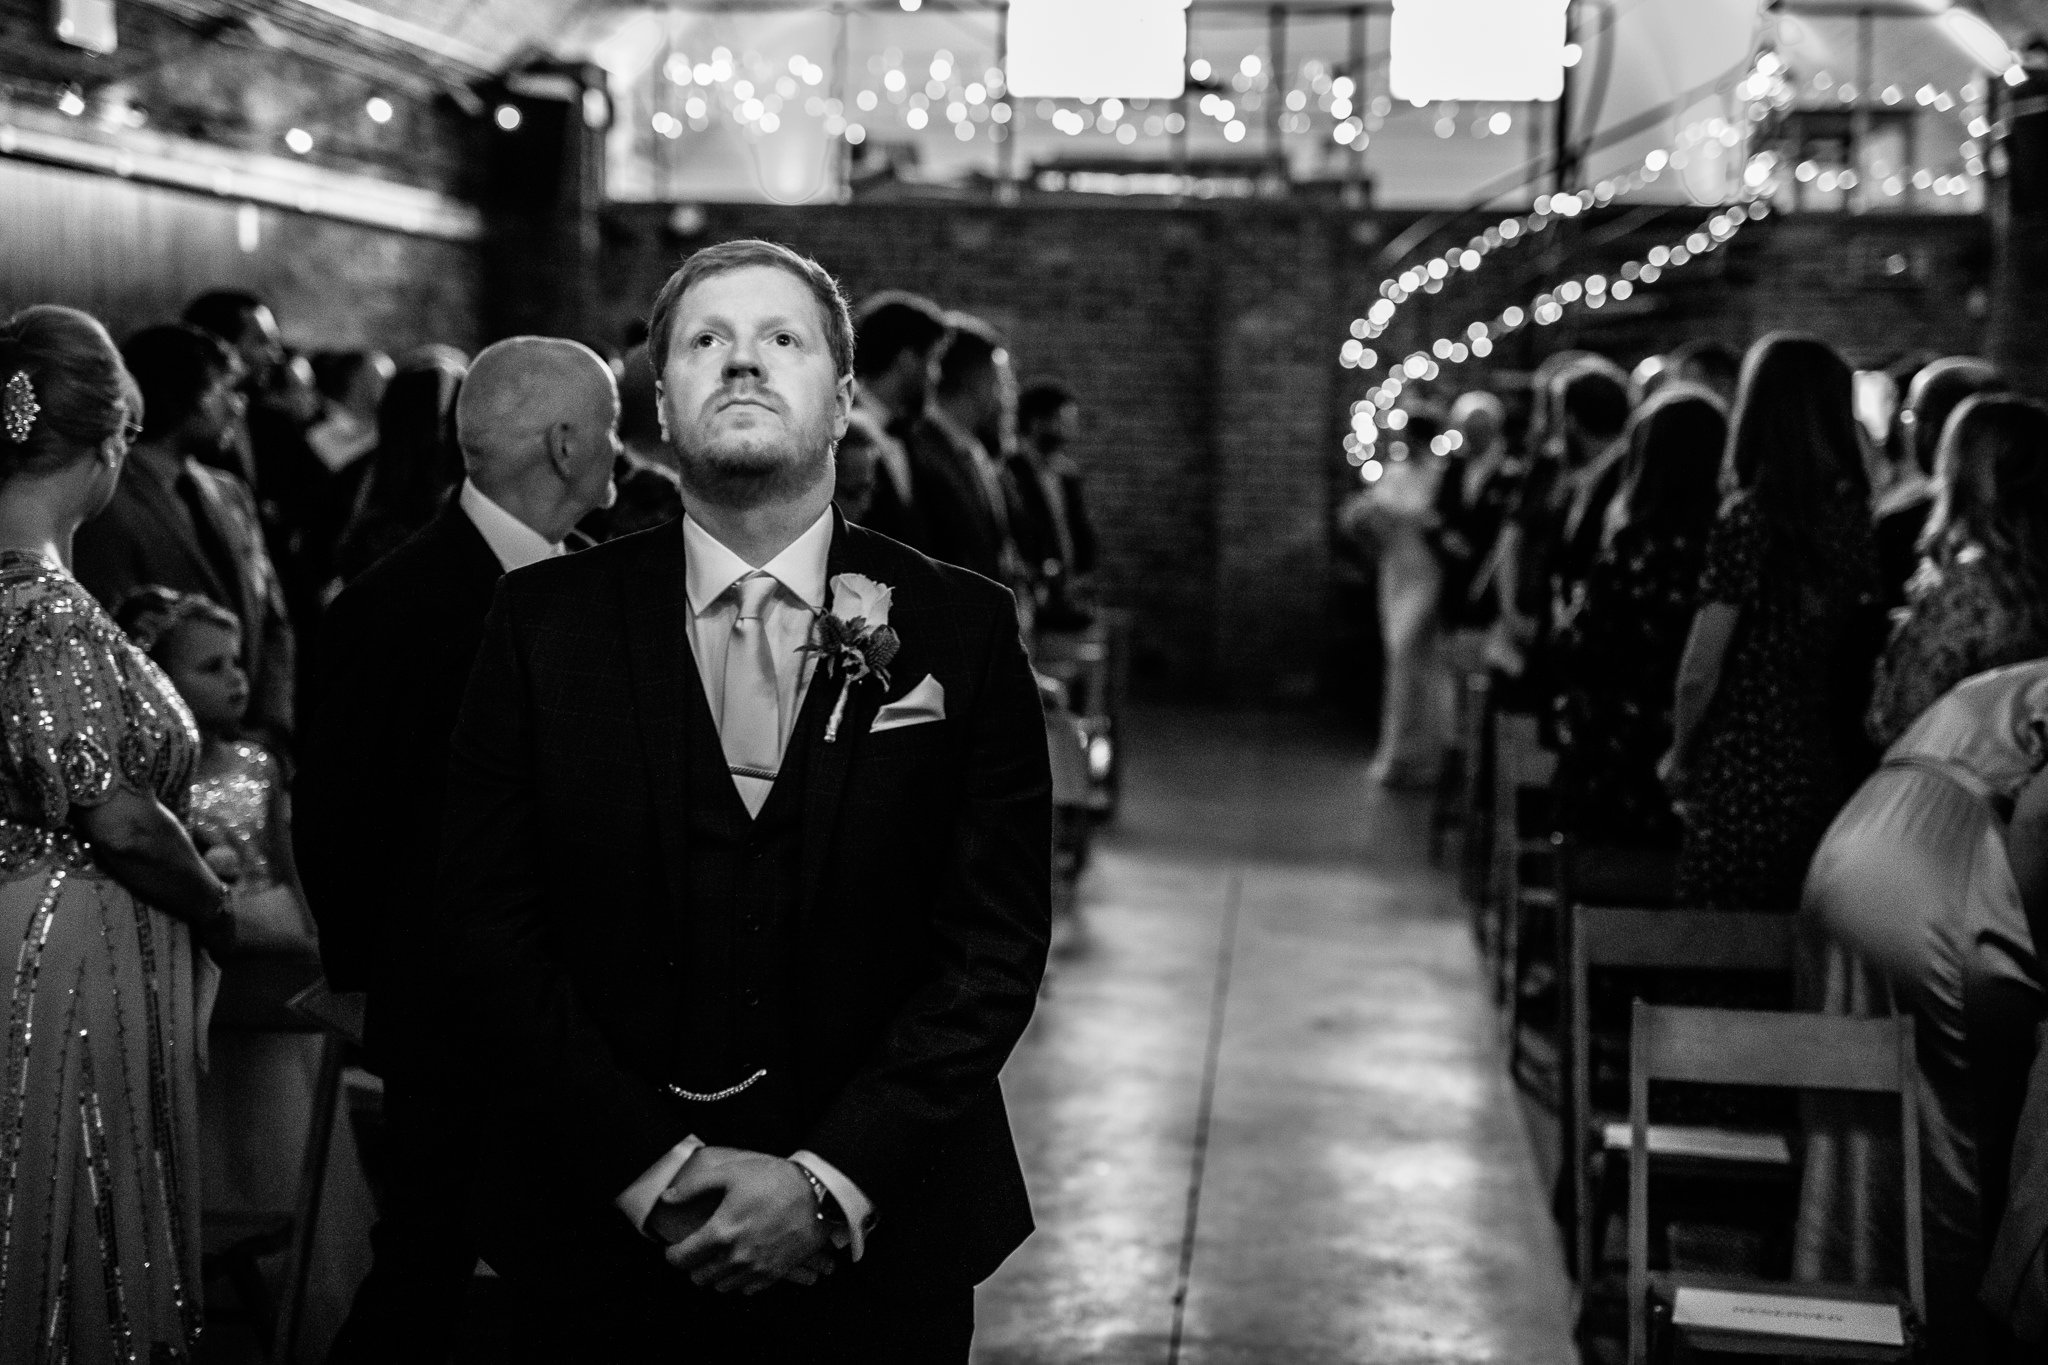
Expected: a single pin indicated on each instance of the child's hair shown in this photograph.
(151, 615)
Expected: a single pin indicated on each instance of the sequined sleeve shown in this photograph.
(70, 736)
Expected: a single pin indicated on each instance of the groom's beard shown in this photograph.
(747, 473)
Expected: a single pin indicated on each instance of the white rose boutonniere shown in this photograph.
(854, 640)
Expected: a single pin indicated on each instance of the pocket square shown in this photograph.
(922, 703)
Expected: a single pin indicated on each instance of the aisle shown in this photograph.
(1268, 1031)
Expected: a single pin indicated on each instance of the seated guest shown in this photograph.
(1902, 506)
(1913, 879)
(101, 891)
(897, 340)
(177, 521)
(1054, 534)
(1617, 657)
(536, 422)
(415, 468)
(1764, 742)
(962, 492)
(1981, 596)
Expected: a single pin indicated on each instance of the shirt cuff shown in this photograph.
(640, 1197)
(860, 1214)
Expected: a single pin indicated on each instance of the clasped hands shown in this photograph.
(738, 1221)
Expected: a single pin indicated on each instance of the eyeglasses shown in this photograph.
(131, 431)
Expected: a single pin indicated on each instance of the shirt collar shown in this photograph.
(514, 542)
(710, 569)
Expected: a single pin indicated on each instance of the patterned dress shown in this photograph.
(1960, 620)
(1775, 753)
(1617, 660)
(99, 1216)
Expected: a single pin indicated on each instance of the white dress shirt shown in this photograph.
(514, 542)
(710, 571)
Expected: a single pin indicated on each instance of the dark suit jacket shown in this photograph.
(922, 919)
(146, 536)
(397, 646)
(959, 525)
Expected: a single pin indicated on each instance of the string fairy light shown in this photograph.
(1379, 410)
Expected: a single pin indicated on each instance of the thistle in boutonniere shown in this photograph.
(854, 640)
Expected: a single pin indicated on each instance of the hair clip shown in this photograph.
(20, 408)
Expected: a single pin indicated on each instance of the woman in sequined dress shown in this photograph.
(103, 898)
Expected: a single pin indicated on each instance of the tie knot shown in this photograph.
(755, 590)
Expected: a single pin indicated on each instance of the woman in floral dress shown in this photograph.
(101, 898)
(1766, 739)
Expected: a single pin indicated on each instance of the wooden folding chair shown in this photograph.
(1630, 938)
(279, 993)
(1522, 770)
(1789, 1051)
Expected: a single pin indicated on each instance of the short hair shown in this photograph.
(77, 392)
(726, 257)
(223, 312)
(1042, 398)
(971, 347)
(174, 365)
(890, 323)
(152, 614)
(1596, 399)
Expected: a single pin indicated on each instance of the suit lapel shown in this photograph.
(828, 765)
(662, 664)
(157, 491)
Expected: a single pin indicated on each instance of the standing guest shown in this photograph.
(649, 494)
(415, 468)
(897, 341)
(1472, 502)
(701, 889)
(1777, 664)
(1904, 504)
(1916, 879)
(352, 384)
(1713, 365)
(1053, 531)
(536, 421)
(178, 521)
(1618, 658)
(245, 325)
(100, 889)
(1392, 519)
(853, 468)
(962, 490)
(1981, 597)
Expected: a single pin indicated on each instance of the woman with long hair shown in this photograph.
(1980, 598)
(101, 892)
(1776, 668)
(1617, 653)
(416, 466)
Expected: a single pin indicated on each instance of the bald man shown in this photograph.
(537, 420)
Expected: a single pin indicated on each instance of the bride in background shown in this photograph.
(1390, 519)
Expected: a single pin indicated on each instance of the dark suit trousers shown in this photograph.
(620, 1302)
(410, 1305)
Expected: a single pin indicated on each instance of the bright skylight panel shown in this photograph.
(1096, 49)
(1489, 50)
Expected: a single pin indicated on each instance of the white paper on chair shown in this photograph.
(1706, 1144)
(1723, 1310)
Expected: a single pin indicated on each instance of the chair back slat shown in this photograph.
(1717, 940)
(1769, 1048)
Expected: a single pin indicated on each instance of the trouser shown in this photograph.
(423, 1255)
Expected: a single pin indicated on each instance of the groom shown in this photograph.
(742, 932)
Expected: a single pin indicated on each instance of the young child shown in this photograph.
(241, 811)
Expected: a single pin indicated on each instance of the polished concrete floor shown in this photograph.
(1262, 1107)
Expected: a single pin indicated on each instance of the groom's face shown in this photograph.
(750, 399)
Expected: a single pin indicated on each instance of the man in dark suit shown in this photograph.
(739, 935)
(178, 522)
(1052, 530)
(536, 421)
(897, 340)
(956, 453)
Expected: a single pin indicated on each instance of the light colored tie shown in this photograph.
(750, 721)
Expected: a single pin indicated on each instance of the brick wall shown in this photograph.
(1203, 342)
